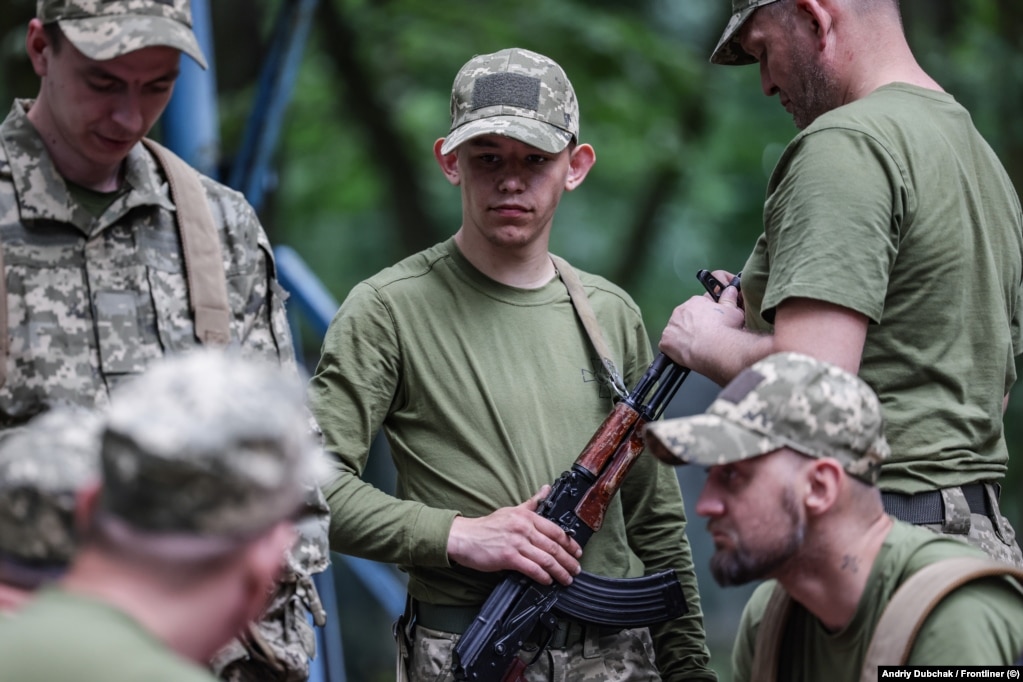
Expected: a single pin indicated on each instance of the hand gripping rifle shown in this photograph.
(520, 607)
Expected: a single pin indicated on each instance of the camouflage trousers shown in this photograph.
(995, 536)
(277, 648)
(626, 655)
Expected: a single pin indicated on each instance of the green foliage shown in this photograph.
(684, 148)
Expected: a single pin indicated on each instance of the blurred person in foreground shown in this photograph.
(42, 468)
(472, 358)
(792, 447)
(95, 277)
(892, 247)
(204, 461)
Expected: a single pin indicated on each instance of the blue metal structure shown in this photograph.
(190, 127)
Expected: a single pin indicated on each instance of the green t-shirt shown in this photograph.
(895, 207)
(486, 393)
(980, 623)
(61, 636)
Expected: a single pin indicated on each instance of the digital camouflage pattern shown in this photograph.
(728, 51)
(993, 535)
(208, 443)
(42, 467)
(515, 93)
(617, 657)
(76, 331)
(104, 29)
(785, 400)
(93, 300)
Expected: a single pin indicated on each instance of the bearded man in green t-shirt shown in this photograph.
(792, 448)
(892, 247)
(472, 358)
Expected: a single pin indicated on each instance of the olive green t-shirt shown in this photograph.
(895, 207)
(63, 636)
(486, 393)
(980, 623)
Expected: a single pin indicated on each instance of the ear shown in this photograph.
(448, 162)
(580, 162)
(820, 15)
(36, 42)
(824, 479)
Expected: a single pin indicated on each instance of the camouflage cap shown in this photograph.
(785, 400)
(207, 444)
(104, 29)
(516, 93)
(42, 467)
(728, 51)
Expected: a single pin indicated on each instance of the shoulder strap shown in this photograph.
(767, 650)
(584, 310)
(200, 243)
(914, 600)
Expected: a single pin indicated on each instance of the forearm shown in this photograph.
(369, 523)
(722, 358)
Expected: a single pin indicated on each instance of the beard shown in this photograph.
(818, 94)
(742, 563)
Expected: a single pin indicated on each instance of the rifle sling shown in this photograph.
(581, 304)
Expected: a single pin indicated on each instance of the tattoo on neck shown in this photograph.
(851, 564)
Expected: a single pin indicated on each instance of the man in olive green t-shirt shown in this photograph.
(472, 359)
(793, 447)
(892, 247)
(205, 460)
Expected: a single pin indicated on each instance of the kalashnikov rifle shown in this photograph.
(520, 607)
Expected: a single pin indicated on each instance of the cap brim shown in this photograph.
(728, 52)
(705, 439)
(93, 38)
(535, 133)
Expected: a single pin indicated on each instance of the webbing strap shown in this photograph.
(581, 304)
(769, 634)
(915, 599)
(899, 624)
(200, 244)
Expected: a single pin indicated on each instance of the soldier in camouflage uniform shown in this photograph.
(42, 467)
(793, 447)
(94, 278)
(205, 461)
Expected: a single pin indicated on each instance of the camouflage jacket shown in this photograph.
(93, 300)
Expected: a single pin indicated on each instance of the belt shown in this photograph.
(457, 619)
(929, 507)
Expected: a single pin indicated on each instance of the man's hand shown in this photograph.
(695, 331)
(516, 538)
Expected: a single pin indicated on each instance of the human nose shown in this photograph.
(512, 179)
(127, 112)
(709, 503)
(766, 83)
